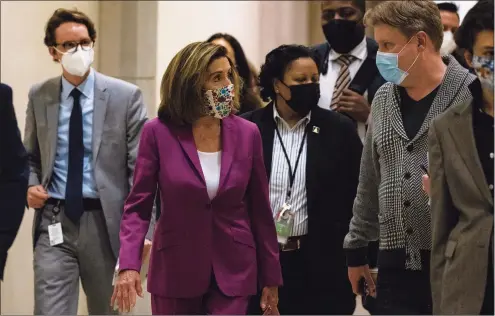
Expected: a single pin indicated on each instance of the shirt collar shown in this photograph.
(359, 51)
(86, 87)
(277, 117)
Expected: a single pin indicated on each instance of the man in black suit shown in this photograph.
(13, 175)
(349, 77)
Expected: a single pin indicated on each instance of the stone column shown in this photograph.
(127, 44)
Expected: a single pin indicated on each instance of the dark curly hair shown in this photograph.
(276, 63)
(61, 16)
(248, 102)
(478, 19)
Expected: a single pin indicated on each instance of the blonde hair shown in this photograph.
(181, 89)
(409, 17)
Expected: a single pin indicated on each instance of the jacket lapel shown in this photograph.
(229, 142)
(267, 131)
(52, 102)
(455, 77)
(100, 107)
(462, 133)
(451, 86)
(395, 113)
(186, 141)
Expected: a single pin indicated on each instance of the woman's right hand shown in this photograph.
(426, 184)
(124, 292)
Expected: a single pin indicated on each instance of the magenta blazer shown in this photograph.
(233, 234)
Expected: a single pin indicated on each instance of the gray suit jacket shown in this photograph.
(461, 219)
(119, 115)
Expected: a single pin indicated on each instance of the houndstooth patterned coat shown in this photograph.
(390, 204)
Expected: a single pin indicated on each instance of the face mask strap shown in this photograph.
(405, 45)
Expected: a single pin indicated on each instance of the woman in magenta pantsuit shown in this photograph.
(215, 241)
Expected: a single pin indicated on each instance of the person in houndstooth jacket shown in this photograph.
(390, 204)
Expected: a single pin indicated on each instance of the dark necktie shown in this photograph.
(73, 191)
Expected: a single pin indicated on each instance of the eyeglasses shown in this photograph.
(72, 46)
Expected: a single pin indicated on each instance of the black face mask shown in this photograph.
(343, 35)
(304, 97)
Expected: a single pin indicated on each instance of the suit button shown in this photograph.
(410, 148)
(409, 231)
(407, 203)
(407, 175)
(490, 186)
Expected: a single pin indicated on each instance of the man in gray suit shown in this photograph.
(461, 146)
(82, 134)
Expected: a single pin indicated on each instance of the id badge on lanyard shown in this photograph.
(55, 233)
(284, 223)
(284, 219)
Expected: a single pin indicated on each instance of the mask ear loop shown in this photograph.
(417, 56)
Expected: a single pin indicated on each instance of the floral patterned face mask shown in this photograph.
(483, 66)
(220, 102)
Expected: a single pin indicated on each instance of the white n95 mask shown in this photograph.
(78, 63)
(448, 44)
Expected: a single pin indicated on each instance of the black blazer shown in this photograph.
(13, 175)
(367, 78)
(332, 171)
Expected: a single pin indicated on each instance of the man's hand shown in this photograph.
(124, 292)
(269, 298)
(146, 249)
(355, 105)
(37, 196)
(426, 184)
(356, 274)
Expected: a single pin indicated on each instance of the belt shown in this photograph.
(88, 204)
(293, 243)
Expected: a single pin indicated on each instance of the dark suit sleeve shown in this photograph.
(354, 148)
(13, 176)
(247, 116)
(443, 215)
(374, 86)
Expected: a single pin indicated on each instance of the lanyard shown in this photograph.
(292, 173)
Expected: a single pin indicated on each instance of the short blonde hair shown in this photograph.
(181, 90)
(409, 17)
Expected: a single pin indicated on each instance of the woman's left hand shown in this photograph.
(124, 292)
(269, 298)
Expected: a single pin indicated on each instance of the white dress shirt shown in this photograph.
(327, 81)
(279, 178)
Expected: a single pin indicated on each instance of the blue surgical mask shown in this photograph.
(483, 66)
(388, 65)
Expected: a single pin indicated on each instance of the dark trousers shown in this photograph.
(298, 296)
(403, 292)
